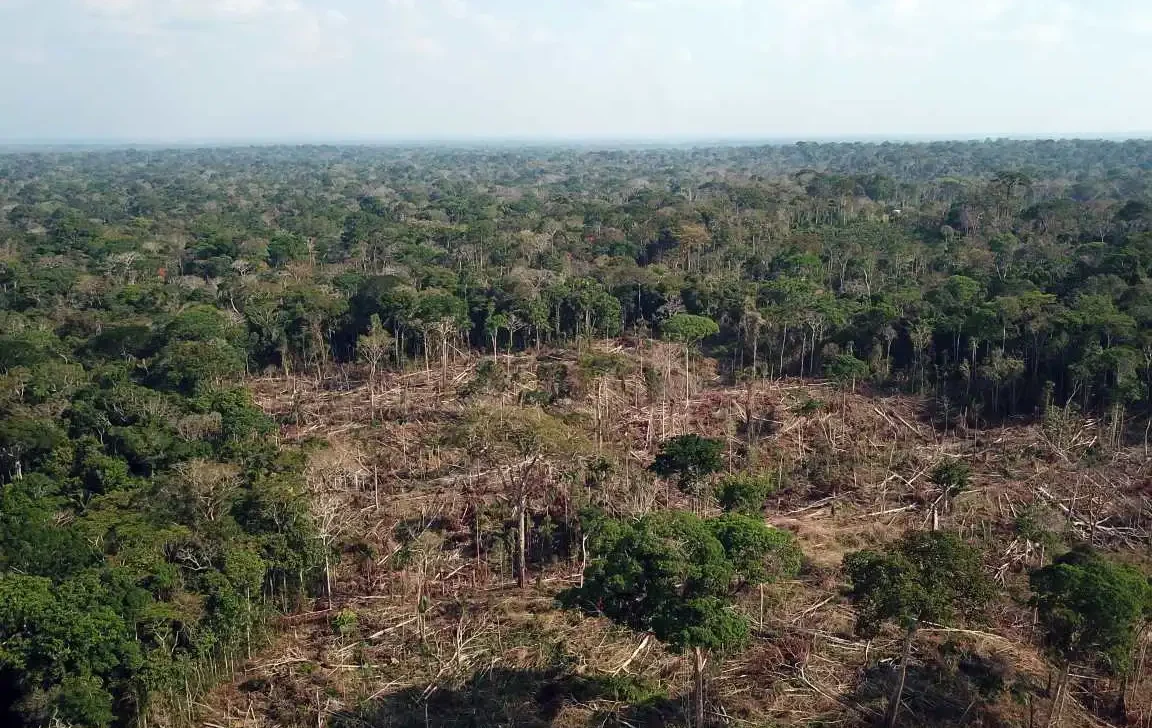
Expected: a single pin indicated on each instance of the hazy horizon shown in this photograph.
(227, 72)
(554, 142)
(559, 141)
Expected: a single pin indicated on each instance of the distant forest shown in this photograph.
(148, 521)
(997, 274)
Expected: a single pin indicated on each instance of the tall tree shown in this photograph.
(924, 577)
(1091, 610)
(689, 330)
(372, 348)
(689, 459)
(675, 576)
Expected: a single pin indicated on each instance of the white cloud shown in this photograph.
(543, 36)
(23, 55)
(162, 9)
(500, 29)
(721, 5)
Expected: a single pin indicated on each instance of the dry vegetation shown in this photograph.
(427, 625)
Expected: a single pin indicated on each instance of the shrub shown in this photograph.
(345, 623)
(744, 493)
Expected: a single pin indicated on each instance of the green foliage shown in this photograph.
(31, 541)
(191, 366)
(689, 459)
(1091, 609)
(200, 323)
(490, 377)
(845, 369)
(141, 528)
(808, 407)
(1054, 291)
(924, 577)
(69, 643)
(523, 432)
(688, 329)
(744, 493)
(630, 689)
(237, 420)
(373, 346)
(1040, 525)
(79, 701)
(952, 476)
(346, 623)
(285, 248)
(593, 364)
(674, 575)
(25, 442)
(758, 554)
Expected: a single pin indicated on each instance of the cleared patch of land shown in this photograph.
(426, 623)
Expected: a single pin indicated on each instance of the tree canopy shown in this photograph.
(689, 459)
(924, 577)
(1091, 609)
(675, 575)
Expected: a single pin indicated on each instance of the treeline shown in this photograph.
(998, 291)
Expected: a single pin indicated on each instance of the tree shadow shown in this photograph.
(528, 698)
(954, 689)
(655, 712)
(952, 411)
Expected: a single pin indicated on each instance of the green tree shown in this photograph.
(492, 326)
(200, 323)
(284, 248)
(689, 459)
(675, 576)
(760, 554)
(24, 442)
(444, 315)
(924, 577)
(689, 330)
(190, 366)
(63, 645)
(1091, 610)
(744, 493)
(951, 476)
(845, 369)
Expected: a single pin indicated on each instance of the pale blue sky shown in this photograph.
(165, 70)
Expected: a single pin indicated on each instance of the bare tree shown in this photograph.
(210, 485)
(372, 348)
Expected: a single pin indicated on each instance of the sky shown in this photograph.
(385, 70)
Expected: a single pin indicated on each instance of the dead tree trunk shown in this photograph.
(698, 664)
(897, 696)
(687, 382)
(1058, 698)
(522, 537)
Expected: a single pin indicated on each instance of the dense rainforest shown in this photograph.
(154, 523)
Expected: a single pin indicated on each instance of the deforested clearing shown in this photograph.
(428, 572)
